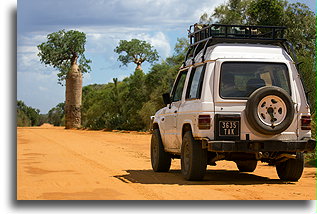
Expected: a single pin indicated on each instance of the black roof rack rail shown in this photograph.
(202, 36)
(236, 33)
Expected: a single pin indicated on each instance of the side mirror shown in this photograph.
(298, 64)
(167, 98)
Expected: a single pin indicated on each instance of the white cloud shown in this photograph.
(205, 7)
(159, 41)
(105, 42)
(27, 49)
(39, 90)
(36, 83)
(120, 78)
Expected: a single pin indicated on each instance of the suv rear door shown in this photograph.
(237, 80)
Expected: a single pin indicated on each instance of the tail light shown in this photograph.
(204, 121)
(305, 122)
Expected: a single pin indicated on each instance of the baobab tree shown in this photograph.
(136, 51)
(64, 50)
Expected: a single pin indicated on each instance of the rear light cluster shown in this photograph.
(204, 121)
(305, 122)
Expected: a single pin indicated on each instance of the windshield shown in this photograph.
(240, 79)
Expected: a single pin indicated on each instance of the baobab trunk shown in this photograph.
(138, 67)
(73, 97)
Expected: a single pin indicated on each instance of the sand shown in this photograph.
(58, 164)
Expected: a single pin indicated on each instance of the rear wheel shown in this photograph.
(292, 169)
(246, 165)
(193, 158)
(160, 160)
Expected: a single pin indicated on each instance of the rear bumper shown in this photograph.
(260, 146)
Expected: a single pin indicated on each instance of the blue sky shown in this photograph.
(105, 22)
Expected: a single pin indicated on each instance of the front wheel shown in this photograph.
(160, 160)
(292, 169)
(193, 158)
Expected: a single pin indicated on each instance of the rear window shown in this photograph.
(240, 79)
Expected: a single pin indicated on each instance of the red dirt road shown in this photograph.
(58, 164)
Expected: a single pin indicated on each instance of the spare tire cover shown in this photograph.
(269, 110)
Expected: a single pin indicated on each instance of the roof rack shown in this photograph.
(202, 36)
(236, 33)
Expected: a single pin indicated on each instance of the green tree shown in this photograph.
(160, 80)
(134, 94)
(56, 115)
(301, 31)
(136, 51)
(94, 106)
(117, 118)
(232, 12)
(22, 117)
(64, 50)
(266, 12)
(27, 116)
(43, 119)
(102, 106)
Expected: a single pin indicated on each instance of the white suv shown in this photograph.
(238, 97)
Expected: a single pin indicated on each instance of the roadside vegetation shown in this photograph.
(27, 116)
(128, 104)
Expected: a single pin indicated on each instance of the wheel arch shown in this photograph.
(186, 127)
(156, 126)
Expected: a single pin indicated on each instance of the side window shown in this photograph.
(179, 86)
(195, 82)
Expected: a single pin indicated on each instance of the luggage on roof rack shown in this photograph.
(202, 36)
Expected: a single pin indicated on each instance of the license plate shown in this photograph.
(229, 128)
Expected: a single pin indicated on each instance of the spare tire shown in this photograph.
(269, 110)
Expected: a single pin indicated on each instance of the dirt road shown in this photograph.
(54, 163)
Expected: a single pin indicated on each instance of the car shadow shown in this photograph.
(212, 177)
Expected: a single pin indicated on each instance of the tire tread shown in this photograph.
(292, 169)
(164, 158)
(198, 165)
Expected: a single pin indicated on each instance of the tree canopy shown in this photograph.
(27, 116)
(136, 51)
(266, 12)
(56, 116)
(61, 49)
(232, 12)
